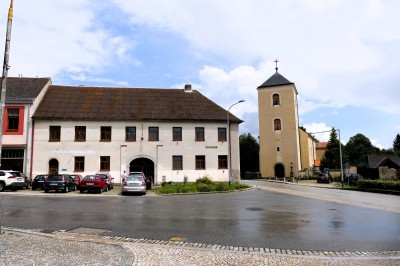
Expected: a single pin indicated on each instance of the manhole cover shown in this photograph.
(254, 209)
(87, 231)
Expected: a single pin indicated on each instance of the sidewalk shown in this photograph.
(26, 247)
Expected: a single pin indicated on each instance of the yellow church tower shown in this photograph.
(279, 127)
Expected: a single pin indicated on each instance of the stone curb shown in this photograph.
(394, 255)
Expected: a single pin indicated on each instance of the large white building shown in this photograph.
(168, 134)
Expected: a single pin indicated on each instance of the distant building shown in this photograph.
(168, 134)
(285, 149)
(22, 98)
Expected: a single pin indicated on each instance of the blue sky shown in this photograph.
(343, 56)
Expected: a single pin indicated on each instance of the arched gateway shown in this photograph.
(143, 165)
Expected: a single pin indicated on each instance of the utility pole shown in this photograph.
(5, 73)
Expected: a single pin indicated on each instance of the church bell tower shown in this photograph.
(279, 127)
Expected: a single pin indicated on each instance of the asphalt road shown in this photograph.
(279, 216)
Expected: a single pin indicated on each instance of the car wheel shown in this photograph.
(1, 186)
(66, 189)
(144, 193)
(81, 190)
(75, 189)
(100, 190)
(46, 191)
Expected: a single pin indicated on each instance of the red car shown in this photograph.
(93, 183)
(77, 179)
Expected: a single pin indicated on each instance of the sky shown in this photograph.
(342, 55)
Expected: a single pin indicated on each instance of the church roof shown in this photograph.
(275, 80)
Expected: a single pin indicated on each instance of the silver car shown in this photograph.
(135, 182)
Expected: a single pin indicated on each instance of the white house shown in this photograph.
(168, 134)
(22, 98)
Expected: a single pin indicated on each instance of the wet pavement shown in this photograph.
(84, 247)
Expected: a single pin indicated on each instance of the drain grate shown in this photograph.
(88, 231)
(254, 209)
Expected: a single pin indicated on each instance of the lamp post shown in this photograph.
(229, 141)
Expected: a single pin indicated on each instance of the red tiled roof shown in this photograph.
(105, 103)
(322, 145)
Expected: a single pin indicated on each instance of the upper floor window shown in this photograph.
(153, 133)
(54, 133)
(79, 164)
(12, 119)
(277, 124)
(177, 162)
(221, 134)
(200, 162)
(105, 163)
(80, 133)
(177, 134)
(105, 134)
(199, 131)
(222, 162)
(275, 99)
(130, 133)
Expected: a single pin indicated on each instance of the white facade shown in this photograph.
(124, 153)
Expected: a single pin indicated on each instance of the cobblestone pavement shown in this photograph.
(30, 247)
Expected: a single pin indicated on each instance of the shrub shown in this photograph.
(221, 186)
(380, 184)
(205, 180)
(203, 187)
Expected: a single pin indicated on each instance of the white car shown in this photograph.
(10, 180)
(135, 182)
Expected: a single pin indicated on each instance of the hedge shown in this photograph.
(380, 184)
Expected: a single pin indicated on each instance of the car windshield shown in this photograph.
(134, 178)
(55, 178)
(40, 177)
(91, 177)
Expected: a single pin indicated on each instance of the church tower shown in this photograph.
(279, 127)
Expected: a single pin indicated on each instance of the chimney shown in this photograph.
(188, 88)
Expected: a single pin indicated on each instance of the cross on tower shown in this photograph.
(276, 65)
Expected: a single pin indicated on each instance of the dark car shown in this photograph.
(324, 178)
(59, 182)
(38, 182)
(77, 179)
(93, 183)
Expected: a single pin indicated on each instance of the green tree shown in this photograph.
(396, 144)
(331, 158)
(249, 154)
(358, 148)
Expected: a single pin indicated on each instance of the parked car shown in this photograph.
(109, 179)
(353, 176)
(18, 174)
(38, 182)
(59, 182)
(9, 180)
(77, 179)
(325, 178)
(135, 182)
(93, 183)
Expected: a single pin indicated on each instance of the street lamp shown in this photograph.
(229, 141)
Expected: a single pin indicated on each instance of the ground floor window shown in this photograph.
(177, 162)
(79, 164)
(222, 162)
(104, 163)
(200, 162)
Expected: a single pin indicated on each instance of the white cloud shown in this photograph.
(319, 130)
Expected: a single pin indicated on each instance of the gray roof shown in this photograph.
(376, 160)
(24, 88)
(275, 80)
(108, 104)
